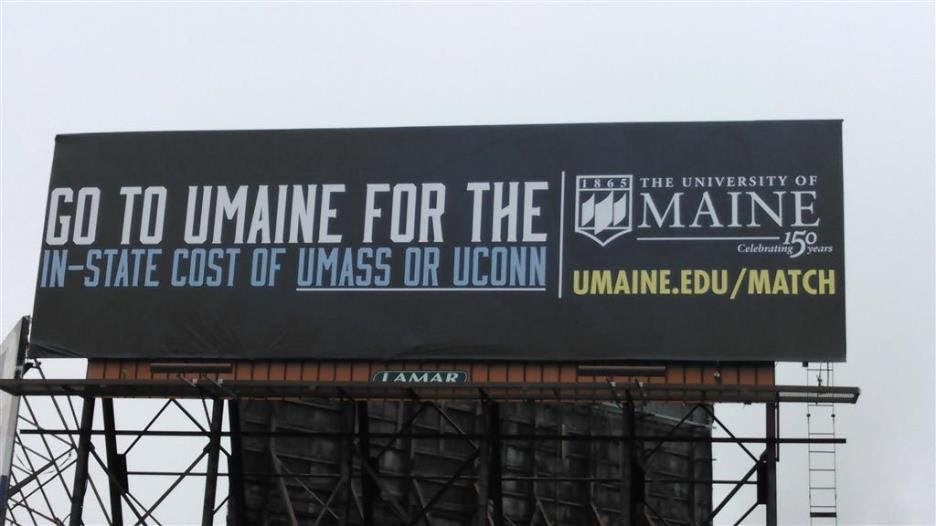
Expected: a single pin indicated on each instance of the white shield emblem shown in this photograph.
(603, 206)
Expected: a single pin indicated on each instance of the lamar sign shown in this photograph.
(650, 241)
(421, 377)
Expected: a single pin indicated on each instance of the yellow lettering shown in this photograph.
(621, 286)
(684, 281)
(795, 274)
(664, 281)
(700, 281)
(648, 282)
(807, 286)
(579, 282)
(780, 283)
(759, 282)
(827, 281)
(601, 282)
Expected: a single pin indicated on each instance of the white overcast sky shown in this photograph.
(116, 67)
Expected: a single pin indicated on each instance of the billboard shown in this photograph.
(647, 241)
(11, 367)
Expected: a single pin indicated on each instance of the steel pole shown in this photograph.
(81, 463)
(495, 472)
(771, 460)
(113, 461)
(236, 468)
(214, 450)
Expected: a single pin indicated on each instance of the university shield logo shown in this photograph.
(603, 206)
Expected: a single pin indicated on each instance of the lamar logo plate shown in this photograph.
(603, 206)
(421, 377)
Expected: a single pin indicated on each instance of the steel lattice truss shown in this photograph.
(62, 452)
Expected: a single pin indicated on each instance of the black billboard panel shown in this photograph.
(647, 241)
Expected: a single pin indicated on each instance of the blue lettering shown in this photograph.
(364, 255)
(383, 254)
(177, 279)
(150, 281)
(477, 279)
(95, 276)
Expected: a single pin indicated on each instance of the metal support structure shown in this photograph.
(770, 458)
(214, 451)
(495, 473)
(413, 495)
(279, 476)
(369, 490)
(633, 474)
(691, 496)
(455, 476)
(490, 472)
(407, 414)
(482, 486)
(80, 485)
(347, 462)
(236, 463)
(114, 463)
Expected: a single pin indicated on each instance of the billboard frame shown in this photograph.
(628, 396)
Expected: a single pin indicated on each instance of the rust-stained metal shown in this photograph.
(479, 373)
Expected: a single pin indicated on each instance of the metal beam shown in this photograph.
(81, 466)
(175, 483)
(488, 438)
(495, 470)
(347, 463)
(445, 486)
(32, 475)
(516, 391)
(740, 484)
(771, 461)
(461, 436)
(748, 512)
(368, 484)
(113, 461)
(214, 451)
(281, 486)
(48, 449)
(408, 415)
(670, 433)
(484, 464)
(633, 476)
(236, 464)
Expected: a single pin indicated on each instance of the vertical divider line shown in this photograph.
(561, 228)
